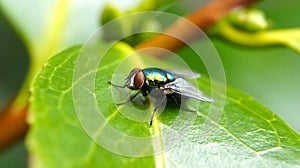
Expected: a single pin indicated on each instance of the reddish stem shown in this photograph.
(203, 18)
(13, 125)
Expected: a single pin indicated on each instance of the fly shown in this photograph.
(171, 82)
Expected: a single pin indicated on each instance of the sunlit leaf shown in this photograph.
(247, 135)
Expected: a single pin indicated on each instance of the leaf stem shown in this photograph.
(288, 37)
(42, 52)
(13, 125)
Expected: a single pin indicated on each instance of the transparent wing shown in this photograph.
(185, 88)
(183, 73)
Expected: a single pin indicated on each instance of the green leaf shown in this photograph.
(56, 138)
(248, 19)
(134, 24)
(247, 135)
(109, 13)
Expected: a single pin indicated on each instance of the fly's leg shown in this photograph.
(158, 99)
(115, 85)
(129, 100)
(119, 86)
(155, 108)
(179, 105)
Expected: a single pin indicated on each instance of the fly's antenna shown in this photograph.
(126, 77)
(115, 85)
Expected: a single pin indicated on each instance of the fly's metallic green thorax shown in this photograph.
(157, 77)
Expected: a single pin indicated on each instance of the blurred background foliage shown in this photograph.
(269, 74)
(13, 67)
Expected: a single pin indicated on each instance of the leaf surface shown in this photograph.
(247, 135)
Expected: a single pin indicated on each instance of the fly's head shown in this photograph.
(135, 79)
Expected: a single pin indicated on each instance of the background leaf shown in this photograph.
(247, 135)
(53, 20)
(54, 25)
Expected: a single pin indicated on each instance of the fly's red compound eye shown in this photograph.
(139, 79)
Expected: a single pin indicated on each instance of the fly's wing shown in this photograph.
(183, 73)
(185, 88)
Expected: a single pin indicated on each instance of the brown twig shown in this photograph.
(13, 124)
(203, 18)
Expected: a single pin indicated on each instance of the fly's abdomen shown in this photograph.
(156, 77)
